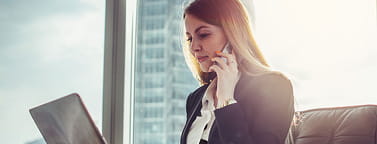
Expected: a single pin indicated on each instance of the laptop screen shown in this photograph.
(66, 121)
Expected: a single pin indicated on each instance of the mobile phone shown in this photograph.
(227, 49)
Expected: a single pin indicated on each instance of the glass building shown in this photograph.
(163, 80)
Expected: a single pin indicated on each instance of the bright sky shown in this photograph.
(48, 49)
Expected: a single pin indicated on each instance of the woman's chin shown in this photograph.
(205, 66)
(204, 69)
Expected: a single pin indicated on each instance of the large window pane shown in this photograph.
(48, 49)
(162, 78)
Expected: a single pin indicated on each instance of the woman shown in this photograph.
(241, 101)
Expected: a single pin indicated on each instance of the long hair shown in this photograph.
(232, 17)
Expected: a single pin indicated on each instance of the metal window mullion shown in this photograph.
(113, 86)
(131, 31)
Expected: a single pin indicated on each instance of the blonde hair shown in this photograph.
(232, 17)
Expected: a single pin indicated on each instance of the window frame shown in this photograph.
(114, 71)
(118, 77)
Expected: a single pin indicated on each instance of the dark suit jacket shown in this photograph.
(262, 114)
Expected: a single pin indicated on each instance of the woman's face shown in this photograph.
(204, 39)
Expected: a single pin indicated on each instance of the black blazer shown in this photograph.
(262, 114)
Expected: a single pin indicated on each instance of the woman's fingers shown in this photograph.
(219, 61)
(230, 57)
(227, 55)
(214, 68)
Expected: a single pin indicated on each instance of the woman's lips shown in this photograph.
(202, 58)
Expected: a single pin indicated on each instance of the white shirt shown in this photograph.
(207, 117)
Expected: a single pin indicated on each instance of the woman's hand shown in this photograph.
(227, 76)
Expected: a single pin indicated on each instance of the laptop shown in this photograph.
(66, 121)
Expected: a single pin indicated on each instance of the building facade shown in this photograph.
(163, 81)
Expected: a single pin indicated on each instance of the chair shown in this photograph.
(337, 125)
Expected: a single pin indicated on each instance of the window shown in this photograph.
(155, 81)
(328, 46)
(49, 49)
(155, 10)
(153, 67)
(154, 53)
(154, 39)
(153, 112)
(153, 24)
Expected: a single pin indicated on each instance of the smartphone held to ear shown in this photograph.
(227, 49)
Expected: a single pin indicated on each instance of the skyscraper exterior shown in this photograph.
(163, 81)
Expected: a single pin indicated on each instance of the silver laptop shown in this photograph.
(66, 121)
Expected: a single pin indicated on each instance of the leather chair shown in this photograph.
(337, 125)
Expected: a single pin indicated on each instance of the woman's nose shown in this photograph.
(195, 46)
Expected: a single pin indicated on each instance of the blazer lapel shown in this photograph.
(191, 119)
(212, 133)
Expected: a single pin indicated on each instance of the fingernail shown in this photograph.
(217, 51)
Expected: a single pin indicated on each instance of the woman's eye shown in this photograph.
(189, 39)
(203, 35)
